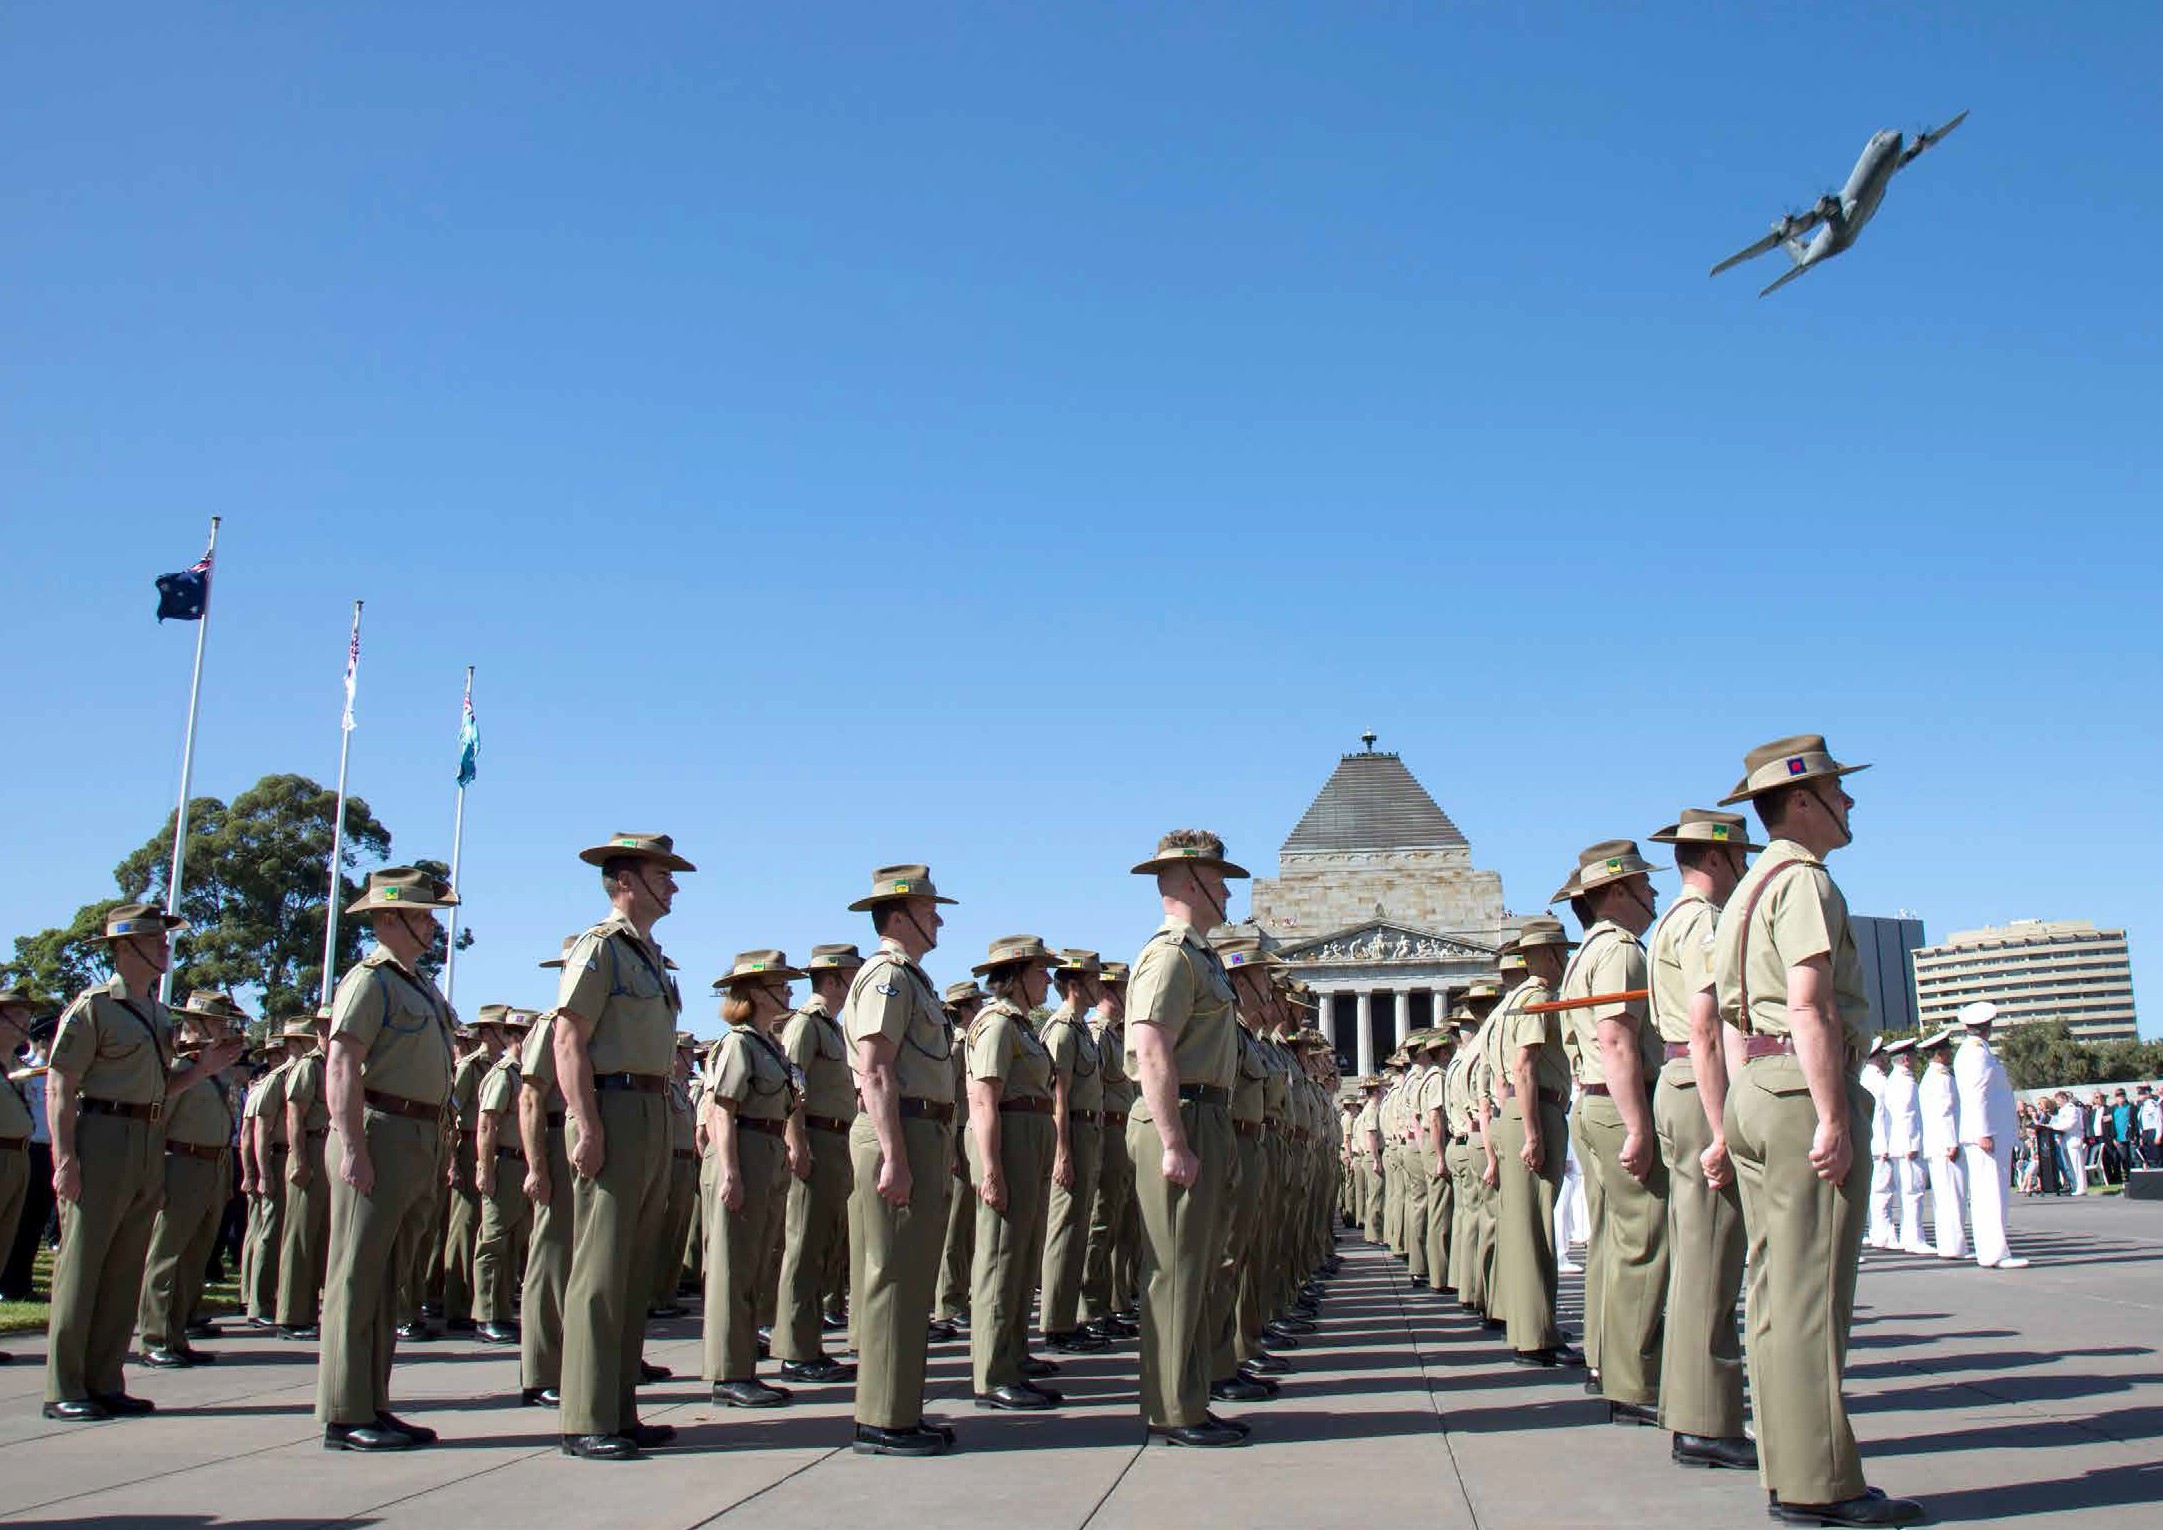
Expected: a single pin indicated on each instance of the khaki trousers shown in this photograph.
(814, 1226)
(505, 1215)
(1465, 1273)
(196, 1190)
(266, 1242)
(1183, 1231)
(1127, 1260)
(1393, 1181)
(305, 1240)
(616, 1236)
(1066, 1228)
(548, 1271)
(1370, 1187)
(1108, 1210)
(957, 1264)
(1805, 1238)
(421, 1275)
(1593, 1171)
(1701, 1359)
(97, 1281)
(1414, 1164)
(1009, 1252)
(1633, 1259)
(1525, 1272)
(1229, 1295)
(14, 1188)
(1441, 1221)
(893, 1263)
(684, 1200)
(373, 1238)
(461, 1232)
(736, 1249)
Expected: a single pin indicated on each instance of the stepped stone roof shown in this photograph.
(1371, 802)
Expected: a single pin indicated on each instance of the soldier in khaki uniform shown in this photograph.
(1788, 976)
(684, 1200)
(198, 1183)
(499, 1179)
(1701, 1360)
(263, 1121)
(388, 1074)
(750, 1095)
(1077, 1073)
(815, 1225)
(1527, 1140)
(1490, 1072)
(549, 1191)
(615, 1041)
(1010, 1119)
(306, 1238)
(1436, 1045)
(901, 1151)
(107, 1084)
(462, 1225)
(1183, 1052)
(1411, 1115)
(1247, 1194)
(1615, 1057)
(1464, 1110)
(16, 1121)
(957, 1261)
(1107, 1282)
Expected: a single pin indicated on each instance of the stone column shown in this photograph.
(1400, 1008)
(1326, 1017)
(1364, 1009)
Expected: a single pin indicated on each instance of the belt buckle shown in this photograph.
(157, 1113)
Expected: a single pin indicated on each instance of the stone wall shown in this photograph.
(1315, 894)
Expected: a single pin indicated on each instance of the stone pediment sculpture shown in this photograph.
(1383, 943)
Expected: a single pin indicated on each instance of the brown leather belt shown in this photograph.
(1250, 1130)
(1754, 1047)
(277, 1148)
(1086, 1117)
(399, 1105)
(1025, 1107)
(1597, 1089)
(1547, 1096)
(128, 1109)
(511, 1152)
(1115, 1118)
(770, 1128)
(636, 1083)
(14, 1142)
(929, 1110)
(194, 1150)
(1677, 1051)
(1206, 1094)
(827, 1124)
(685, 1155)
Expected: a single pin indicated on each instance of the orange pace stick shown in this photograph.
(1586, 1002)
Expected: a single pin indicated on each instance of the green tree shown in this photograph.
(254, 898)
(2045, 1054)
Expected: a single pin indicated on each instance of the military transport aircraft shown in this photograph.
(1839, 217)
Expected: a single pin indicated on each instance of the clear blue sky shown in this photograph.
(852, 434)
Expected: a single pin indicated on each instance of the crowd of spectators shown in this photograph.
(2066, 1142)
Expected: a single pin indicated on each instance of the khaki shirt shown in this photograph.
(304, 1087)
(1119, 1089)
(751, 1073)
(1251, 1083)
(466, 1089)
(498, 1096)
(201, 1116)
(1003, 1050)
(115, 1045)
(682, 1117)
(1365, 1123)
(266, 1102)
(1493, 1041)
(402, 1025)
(537, 1063)
(1611, 960)
(1277, 1101)
(622, 984)
(1551, 1064)
(1457, 1092)
(811, 1039)
(1074, 1053)
(1179, 986)
(1681, 961)
(1800, 915)
(15, 1118)
(891, 997)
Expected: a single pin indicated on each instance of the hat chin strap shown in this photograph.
(922, 933)
(1847, 835)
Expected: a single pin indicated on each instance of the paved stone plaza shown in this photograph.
(1996, 1398)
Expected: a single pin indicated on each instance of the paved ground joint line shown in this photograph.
(1402, 1290)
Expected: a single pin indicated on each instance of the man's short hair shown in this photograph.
(1773, 807)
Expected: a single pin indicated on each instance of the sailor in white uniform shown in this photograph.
(1987, 1129)
(1940, 1103)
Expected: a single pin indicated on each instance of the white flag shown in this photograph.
(352, 669)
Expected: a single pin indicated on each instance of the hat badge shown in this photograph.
(901, 887)
(1614, 865)
(1719, 831)
(1795, 765)
(389, 894)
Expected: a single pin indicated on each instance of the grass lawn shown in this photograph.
(219, 1298)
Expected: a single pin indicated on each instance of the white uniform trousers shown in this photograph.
(1910, 1180)
(1990, 1178)
(1948, 1192)
(1880, 1233)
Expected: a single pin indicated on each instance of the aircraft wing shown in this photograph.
(1925, 139)
(1787, 228)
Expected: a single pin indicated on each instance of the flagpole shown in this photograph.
(337, 823)
(187, 772)
(458, 844)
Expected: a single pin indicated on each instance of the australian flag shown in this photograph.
(182, 596)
